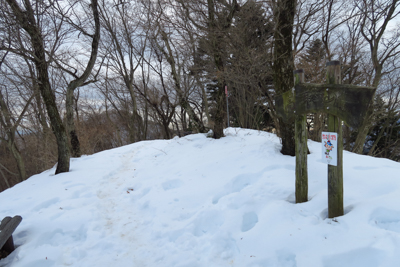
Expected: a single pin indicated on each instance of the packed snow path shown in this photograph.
(199, 202)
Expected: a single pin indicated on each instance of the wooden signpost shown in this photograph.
(346, 103)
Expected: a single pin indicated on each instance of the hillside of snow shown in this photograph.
(199, 202)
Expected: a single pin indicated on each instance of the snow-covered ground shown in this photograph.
(199, 202)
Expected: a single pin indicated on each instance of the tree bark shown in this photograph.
(220, 113)
(283, 65)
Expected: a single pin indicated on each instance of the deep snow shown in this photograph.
(199, 202)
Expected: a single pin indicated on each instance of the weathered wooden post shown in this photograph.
(301, 149)
(335, 173)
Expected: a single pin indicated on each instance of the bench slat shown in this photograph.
(7, 228)
(4, 222)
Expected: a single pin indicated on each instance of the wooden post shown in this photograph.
(335, 173)
(301, 149)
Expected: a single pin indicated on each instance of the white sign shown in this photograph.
(329, 148)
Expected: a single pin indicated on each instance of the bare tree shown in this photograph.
(123, 47)
(307, 22)
(384, 47)
(70, 13)
(214, 18)
(10, 120)
(384, 135)
(172, 46)
(249, 63)
(29, 18)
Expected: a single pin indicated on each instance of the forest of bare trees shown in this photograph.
(81, 76)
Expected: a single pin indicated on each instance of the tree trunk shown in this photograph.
(216, 40)
(69, 104)
(5, 178)
(135, 119)
(167, 133)
(19, 160)
(219, 115)
(43, 137)
(79, 81)
(284, 12)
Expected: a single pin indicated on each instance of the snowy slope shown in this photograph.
(199, 202)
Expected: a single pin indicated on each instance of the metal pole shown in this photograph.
(227, 107)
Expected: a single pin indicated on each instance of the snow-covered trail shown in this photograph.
(200, 202)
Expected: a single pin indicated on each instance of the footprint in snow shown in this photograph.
(250, 219)
(46, 204)
(366, 257)
(386, 219)
(172, 184)
(236, 185)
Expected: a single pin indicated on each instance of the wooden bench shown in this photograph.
(7, 228)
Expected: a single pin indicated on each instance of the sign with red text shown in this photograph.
(329, 148)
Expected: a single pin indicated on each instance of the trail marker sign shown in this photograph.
(329, 148)
(342, 103)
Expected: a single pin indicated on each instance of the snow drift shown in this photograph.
(199, 202)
